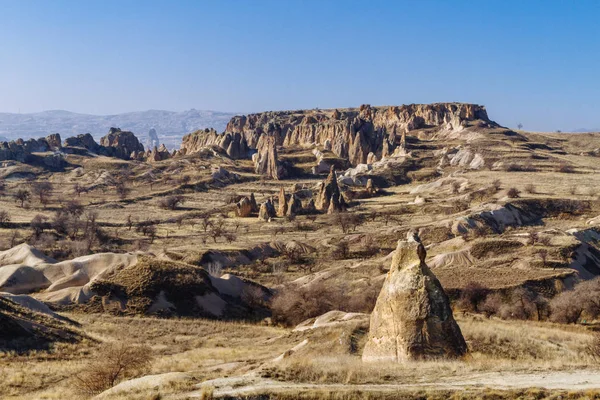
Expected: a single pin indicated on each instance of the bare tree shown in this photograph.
(22, 195)
(113, 362)
(43, 190)
(520, 126)
(122, 190)
(78, 189)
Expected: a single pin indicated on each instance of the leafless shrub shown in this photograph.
(497, 184)
(122, 190)
(530, 188)
(534, 237)
(4, 218)
(472, 296)
(171, 202)
(347, 221)
(583, 300)
(543, 255)
(112, 363)
(565, 168)
(515, 167)
(38, 223)
(341, 250)
(592, 349)
(455, 187)
(78, 189)
(43, 190)
(253, 296)
(513, 193)
(22, 195)
(573, 190)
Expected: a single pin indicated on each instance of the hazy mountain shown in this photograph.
(585, 130)
(169, 125)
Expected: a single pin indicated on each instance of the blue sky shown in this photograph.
(534, 62)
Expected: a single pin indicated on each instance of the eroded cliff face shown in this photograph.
(234, 144)
(349, 133)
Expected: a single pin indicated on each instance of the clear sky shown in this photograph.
(535, 62)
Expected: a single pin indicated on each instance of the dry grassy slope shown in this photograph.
(542, 154)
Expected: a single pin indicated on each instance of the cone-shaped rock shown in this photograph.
(412, 318)
(329, 192)
(253, 203)
(283, 205)
(294, 206)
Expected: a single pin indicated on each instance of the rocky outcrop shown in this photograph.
(20, 150)
(267, 210)
(234, 144)
(157, 154)
(120, 143)
(354, 133)
(412, 319)
(244, 207)
(266, 162)
(330, 198)
(85, 141)
(283, 204)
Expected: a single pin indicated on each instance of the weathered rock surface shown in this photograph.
(244, 207)
(253, 203)
(330, 198)
(267, 210)
(121, 143)
(266, 162)
(283, 204)
(412, 318)
(294, 206)
(234, 144)
(20, 150)
(354, 133)
(85, 141)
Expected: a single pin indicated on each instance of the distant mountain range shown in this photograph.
(585, 130)
(170, 125)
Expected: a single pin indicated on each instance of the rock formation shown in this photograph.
(370, 188)
(330, 194)
(283, 205)
(266, 162)
(158, 154)
(310, 207)
(121, 143)
(267, 210)
(354, 133)
(412, 318)
(234, 144)
(294, 206)
(85, 141)
(244, 207)
(253, 203)
(20, 150)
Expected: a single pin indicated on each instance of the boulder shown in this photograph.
(244, 207)
(412, 319)
(152, 140)
(121, 143)
(267, 210)
(54, 141)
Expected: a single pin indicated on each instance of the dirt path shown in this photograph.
(572, 380)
